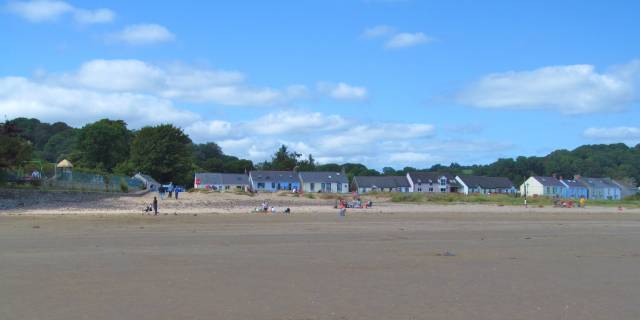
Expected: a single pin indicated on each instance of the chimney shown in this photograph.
(554, 176)
(561, 178)
(577, 177)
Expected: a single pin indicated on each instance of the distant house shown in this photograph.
(221, 181)
(601, 188)
(317, 181)
(626, 189)
(575, 189)
(272, 181)
(432, 182)
(542, 186)
(485, 185)
(364, 184)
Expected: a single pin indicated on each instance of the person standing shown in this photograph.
(155, 206)
(176, 193)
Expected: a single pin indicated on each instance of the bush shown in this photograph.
(124, 187)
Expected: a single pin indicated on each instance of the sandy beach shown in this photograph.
(209, 257)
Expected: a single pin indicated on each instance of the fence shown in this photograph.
(83, 181)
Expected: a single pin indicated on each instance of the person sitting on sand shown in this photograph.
(287, 211)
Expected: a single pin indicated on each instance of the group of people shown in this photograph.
(264, 207)
(162, 191)
(357, 203)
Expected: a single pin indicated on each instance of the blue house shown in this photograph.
(271, 181)
(601, 188)
(575, 189)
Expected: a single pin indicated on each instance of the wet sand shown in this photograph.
(370, 265)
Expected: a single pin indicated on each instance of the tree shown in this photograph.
(205, 151)
(307, 165)
(164, 152)
(102, 145)
(13, 148)
(282, 160)
(60, 145)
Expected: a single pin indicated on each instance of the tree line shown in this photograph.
(168, 154)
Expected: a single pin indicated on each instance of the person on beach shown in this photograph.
(155, 206)
(176, 193)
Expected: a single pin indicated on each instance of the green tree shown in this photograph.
(283, 159)
(164, 152)
(102, 145)
(307, 165)
(13, 148)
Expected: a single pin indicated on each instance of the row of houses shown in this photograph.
(338, 182)
(434, 182)
(579, 187)
(422, 182)
(271, 181)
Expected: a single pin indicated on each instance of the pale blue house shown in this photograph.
(601, 188)
(271, 181)
(574, 189)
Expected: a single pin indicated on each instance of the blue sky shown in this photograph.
(386, 83)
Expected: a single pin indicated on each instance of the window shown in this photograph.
(273, 185)
(419, 189)
(443, 181)
(260, 185)
(312, 186)
(443, 189)
(430, 189)
(227, 187)
(339, 187)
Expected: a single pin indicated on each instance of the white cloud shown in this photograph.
(52, 10)
(405, 40)
(295, 123)
(175, 82)
(614, 133)
(342, 91)
(571, 89)
(394, 39)
(94, 16)
(142, 34)
(208, 130)
(378, 31)
(20, 97)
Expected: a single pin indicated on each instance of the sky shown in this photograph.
(381, 82)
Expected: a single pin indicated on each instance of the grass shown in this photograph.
(498, 199)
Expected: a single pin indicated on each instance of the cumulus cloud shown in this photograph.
(617, 134)
(395, 39)
(570, 89)
(342, 91)
(175, 82)
(53, 10)
(142, 34)
(405, 40)
(21, 97)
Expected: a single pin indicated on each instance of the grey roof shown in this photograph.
(381, 181)
(431, 177)
(598, 182)
(275, 176)
(326, 177)
(625, 185)
(573, 183)
(222, 178)
(549, 181)
(487, 182)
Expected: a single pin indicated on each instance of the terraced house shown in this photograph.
(364, 184)
(432, 182)
(485, 185)
(271, 181)
(543, 186)
(317, 181)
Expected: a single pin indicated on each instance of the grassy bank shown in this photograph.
(498, 199)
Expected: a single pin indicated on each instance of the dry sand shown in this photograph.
(215, 260)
